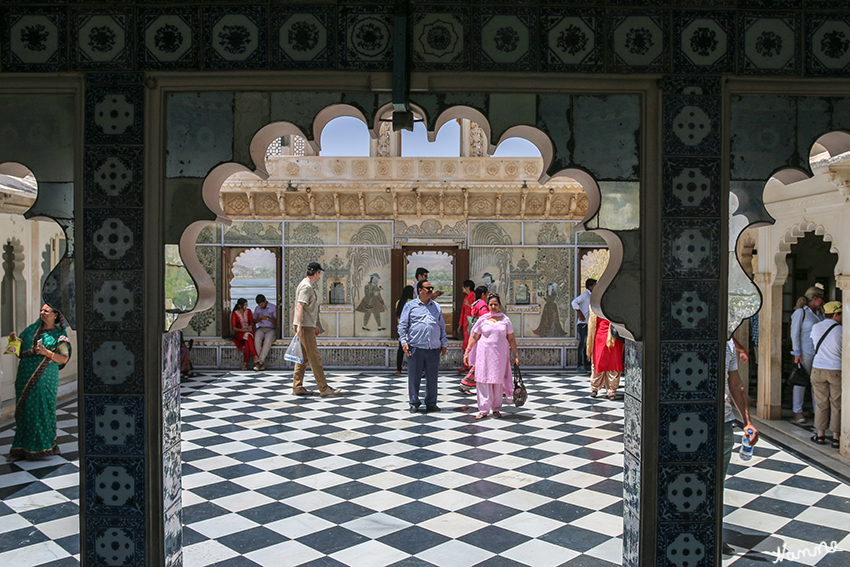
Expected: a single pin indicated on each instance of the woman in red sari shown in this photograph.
(606, 353)
(478, 309)
(465, 312)
(242, 323)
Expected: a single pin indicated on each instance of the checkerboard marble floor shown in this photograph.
(273, 479)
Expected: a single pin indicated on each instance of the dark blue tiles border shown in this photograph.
(632, 409)
(115, 541)
(686, 493)
(169, 39)
(303, 36)
(506, 38)
(691, 187)
(441, 38)
(34, 39)
(703, 42)
(102, 39)
(113, 177)
(682, 543)
(113, 300)
(572, 40)
(690, 248)
(689, 372)
(725, 37)
(114, 425)
(114, 114)
(365, 37)
(687, 433)
(116, 486)
(638, 41)
(113, 364)
(689, 310)
(827, 45)
(112, 239)
(633, 368)
(691, 85)
(769, 43)
(692, 125)
(235, 37)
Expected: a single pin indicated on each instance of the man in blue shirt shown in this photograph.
(422, 334)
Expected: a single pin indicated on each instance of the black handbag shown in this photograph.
(799, 376)
(520, 393)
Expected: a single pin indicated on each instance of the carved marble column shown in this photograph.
(769, 400)
(843, 283)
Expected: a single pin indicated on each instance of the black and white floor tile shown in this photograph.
(274, 479)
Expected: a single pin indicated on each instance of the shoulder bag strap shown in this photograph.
(820, 342)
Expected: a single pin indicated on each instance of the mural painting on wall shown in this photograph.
(372, 304)
(552, 267)
(369, 259)
(206, 323)
(538, 283)
(356, 261)
(253, 233)
(296, 259)
(491, 266)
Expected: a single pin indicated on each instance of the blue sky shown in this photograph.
(346, 136)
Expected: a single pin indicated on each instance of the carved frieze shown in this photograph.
(387, 187)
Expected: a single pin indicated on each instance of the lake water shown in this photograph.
(249, 288)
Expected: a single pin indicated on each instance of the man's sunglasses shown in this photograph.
(427, 288)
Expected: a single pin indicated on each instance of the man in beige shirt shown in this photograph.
(307, 327)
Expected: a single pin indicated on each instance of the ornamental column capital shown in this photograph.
(843, 282)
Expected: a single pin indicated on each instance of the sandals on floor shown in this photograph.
(497, 414)
(481, 416)
(465, 391)
(594, 393)
(836, 444)
(819, 439)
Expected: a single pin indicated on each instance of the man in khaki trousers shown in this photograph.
(826, 374)
(307, 327)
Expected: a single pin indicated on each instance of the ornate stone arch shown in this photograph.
(613, 278)
(13, 287)
(53, 202)
(790, 237)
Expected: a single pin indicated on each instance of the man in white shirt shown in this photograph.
(826, 374)
(265, 321)
(581, 304)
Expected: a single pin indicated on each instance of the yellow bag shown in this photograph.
(14, 346)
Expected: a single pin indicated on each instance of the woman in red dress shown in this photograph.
(465, 312)
(606, 353)
(242, 323)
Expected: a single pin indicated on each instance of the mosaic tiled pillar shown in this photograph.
(672, 443)
(129, 424)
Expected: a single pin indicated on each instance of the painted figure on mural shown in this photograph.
(372, 303)
(550, 319)
(493, 286)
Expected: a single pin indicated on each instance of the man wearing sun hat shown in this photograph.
(826, 374)
(307, 327)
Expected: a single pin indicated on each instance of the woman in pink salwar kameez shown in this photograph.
(491, 341)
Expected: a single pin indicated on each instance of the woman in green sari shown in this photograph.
(44, 350)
